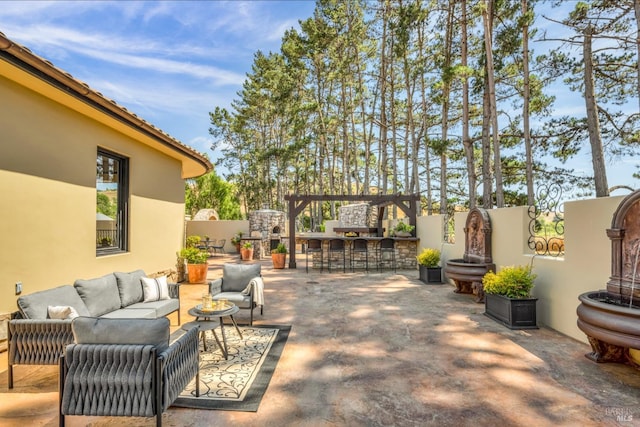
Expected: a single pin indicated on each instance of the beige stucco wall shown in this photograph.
(221, 229)
(586, 265)
(48, 204)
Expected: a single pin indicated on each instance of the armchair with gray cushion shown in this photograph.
(125, 367)
(234, 286)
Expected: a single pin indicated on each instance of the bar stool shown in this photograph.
(360, 247)
(314, 246)
(387, 245)
(337, 246)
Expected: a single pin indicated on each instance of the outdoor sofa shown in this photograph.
(40, 330)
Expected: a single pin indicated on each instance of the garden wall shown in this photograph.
(222, 229)
(586, 265)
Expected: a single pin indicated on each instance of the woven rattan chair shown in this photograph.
(125, 368)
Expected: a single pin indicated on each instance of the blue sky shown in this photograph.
(172, 62)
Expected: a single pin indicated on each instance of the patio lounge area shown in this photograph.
(383, 349)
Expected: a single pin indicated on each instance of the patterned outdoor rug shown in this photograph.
(239, 383)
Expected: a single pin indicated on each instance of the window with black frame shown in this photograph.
(112, 194)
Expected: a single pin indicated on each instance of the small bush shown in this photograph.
(280, 249)
(512, 282)
(194, 255)
(192, 241)
(429, 257)
(404, 227)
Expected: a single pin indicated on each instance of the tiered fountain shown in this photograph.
(467, 272)
(611, 318)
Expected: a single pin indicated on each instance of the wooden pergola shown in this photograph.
(409, 204)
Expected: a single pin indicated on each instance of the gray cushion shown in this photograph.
(161, 307)
(236, 277)
(129, 286)
(34, 306)
(100, 295)
(130, 313)
(91, 330)
(242, 301)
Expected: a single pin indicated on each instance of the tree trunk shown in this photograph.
(487, 179)
(446, 94)
(593, 123)
(637, 10)
(487, 16)
(466, 141)
(525, 108)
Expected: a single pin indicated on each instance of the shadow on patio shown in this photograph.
(383, 349)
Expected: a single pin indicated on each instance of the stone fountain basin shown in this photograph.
(464, 271)
(601, 317)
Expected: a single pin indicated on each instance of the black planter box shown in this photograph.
(431, 275)
(512, 313)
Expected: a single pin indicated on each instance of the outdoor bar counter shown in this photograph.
(406, 249)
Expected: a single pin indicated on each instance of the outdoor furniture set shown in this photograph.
(41, 329)
(111, 339)
(213, 246)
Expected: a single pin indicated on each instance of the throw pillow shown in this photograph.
(155, 289)
(100, 295)
(34, 306)
(61, 312)
(129, 286)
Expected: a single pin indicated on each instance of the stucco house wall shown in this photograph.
(49, 142)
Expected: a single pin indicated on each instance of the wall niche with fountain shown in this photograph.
(467, 272)
(611, 318)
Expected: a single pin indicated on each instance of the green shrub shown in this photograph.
(192, 241)
(402, 226)
(512, 282)
(429, 257)
(194, 255)
(280, 249)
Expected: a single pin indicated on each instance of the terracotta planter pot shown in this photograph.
(197, 273)
(246, 254)
(278, 260)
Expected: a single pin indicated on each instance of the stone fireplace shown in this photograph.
(357, 219)
(269, 225)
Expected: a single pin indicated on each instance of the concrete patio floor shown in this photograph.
(383, 349)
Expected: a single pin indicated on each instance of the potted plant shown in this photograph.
(279, 256)
(246, 251)
(508, 297)
(192, 241)
(429, 265)
(196, 264)
(403, 229)
(235, 240)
